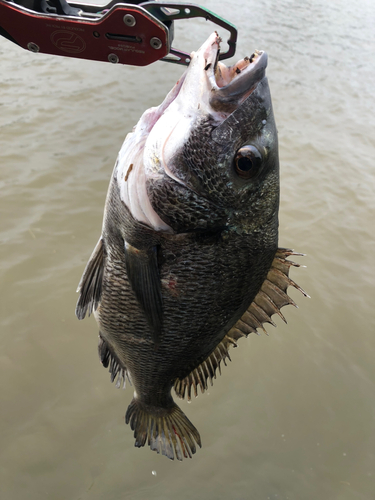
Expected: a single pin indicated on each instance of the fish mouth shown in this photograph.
(229, 85)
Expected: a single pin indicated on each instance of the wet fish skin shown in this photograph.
(165, 299)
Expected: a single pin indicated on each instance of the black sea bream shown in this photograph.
(188, 259)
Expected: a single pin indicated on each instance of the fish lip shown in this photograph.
(226, 86)
(229, 92)
(253, 66)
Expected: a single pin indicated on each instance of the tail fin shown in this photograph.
(167, 430)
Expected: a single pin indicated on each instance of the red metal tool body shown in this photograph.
(118, 32)
(101, 39)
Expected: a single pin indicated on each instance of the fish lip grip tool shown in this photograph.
(125, 33)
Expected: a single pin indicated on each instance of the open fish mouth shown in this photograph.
(231, 85)
(225, 76)
(226, 86)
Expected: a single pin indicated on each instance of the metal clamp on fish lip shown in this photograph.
(123, 33)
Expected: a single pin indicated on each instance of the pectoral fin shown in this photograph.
(90, 286)
(143, 274)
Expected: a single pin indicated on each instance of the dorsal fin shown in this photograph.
(90, 286)
(270, 298)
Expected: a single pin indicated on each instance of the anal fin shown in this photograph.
(90, 286)
(270, 299)
(143, 274)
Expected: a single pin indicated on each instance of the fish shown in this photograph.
(188, 259)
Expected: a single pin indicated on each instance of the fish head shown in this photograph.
(209, 154)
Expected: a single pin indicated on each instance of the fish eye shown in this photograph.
(247, 162)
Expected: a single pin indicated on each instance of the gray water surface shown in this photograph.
(293, 416)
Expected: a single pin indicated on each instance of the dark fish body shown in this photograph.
(188, 260)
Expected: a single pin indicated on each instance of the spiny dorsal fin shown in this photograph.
(108, 358)
(269, 300)
(90, 286)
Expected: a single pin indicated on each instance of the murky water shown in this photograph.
(293, 416)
